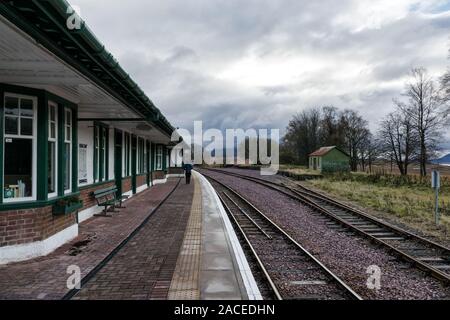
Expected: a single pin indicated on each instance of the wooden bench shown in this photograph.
(108, 199)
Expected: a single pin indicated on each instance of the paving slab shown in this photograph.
(224, 270)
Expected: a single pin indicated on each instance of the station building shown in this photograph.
(72, 121)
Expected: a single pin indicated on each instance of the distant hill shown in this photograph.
(443, 160)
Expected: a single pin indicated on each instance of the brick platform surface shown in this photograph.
(144, 267)
(46, 277)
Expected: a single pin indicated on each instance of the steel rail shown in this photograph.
(306, 199)
(248, 217)
(339, 281)
(252, 249)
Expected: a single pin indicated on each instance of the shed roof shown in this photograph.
(324, 150)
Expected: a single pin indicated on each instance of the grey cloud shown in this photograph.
(176, 49)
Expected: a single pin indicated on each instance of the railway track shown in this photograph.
(291, 271)
(427, 255)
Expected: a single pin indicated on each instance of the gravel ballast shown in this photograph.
(346, 254)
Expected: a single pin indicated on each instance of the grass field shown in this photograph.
(298, 169)
(409, 202)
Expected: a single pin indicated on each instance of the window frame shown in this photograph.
(126, 155)
(70, 142)
(33, 137)
(54, 140)
(145, 157)
(159, 157)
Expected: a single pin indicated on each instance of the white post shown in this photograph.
(436, 184)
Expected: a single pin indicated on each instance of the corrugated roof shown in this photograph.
(45, 21)
(322, 151)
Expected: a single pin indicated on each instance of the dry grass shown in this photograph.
(412, 206)
(298, 169)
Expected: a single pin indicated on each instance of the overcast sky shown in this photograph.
(254, 63)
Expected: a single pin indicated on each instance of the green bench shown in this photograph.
(108, 199)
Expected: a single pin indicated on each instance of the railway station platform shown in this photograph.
(171, 241)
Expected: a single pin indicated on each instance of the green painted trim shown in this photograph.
(93, 185)
(106, 177)
(59, 100)
(147, 161)
(43, 97)
(133, 162)
(127, 139)
(101, 152)
(100, 66)
(2, 97)
(10, 88)
(60, 142)
(95, 158)
(112, 119)
(74, 149)
(164, 158)
(118, 150)
(34, 204)
(42, 148)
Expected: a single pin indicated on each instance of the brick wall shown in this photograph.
(158, 175)
(30, 225)
(176, 170)
(86, 194)
(141, 180)
(126, 184)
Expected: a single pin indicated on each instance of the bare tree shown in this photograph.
(445, 91)
(331, 133)
(302, 134)
(355, 132)
(425, 109)
(397, 139)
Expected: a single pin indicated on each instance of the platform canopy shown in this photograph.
(37, 50)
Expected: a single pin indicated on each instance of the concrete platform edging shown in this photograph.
(249, 283)
(159, 181)
(175, 175)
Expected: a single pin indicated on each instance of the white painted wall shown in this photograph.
(86, 136)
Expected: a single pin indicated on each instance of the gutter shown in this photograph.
(99, 66)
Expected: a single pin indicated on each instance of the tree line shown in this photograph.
(409, 134)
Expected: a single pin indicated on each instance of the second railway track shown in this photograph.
(293, 273)
(427, 255)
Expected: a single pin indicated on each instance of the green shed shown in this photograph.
(329, 159)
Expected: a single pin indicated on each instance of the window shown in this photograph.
(67, 150)
(176, 157)
(19, 148)
(52, 166)
(126, 154)
(145, 157)
(167, 159)
(141, 155)
(159, 157)
(101, 134)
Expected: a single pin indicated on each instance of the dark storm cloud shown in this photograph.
(255, 63)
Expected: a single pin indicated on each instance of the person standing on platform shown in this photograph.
(187, 172)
